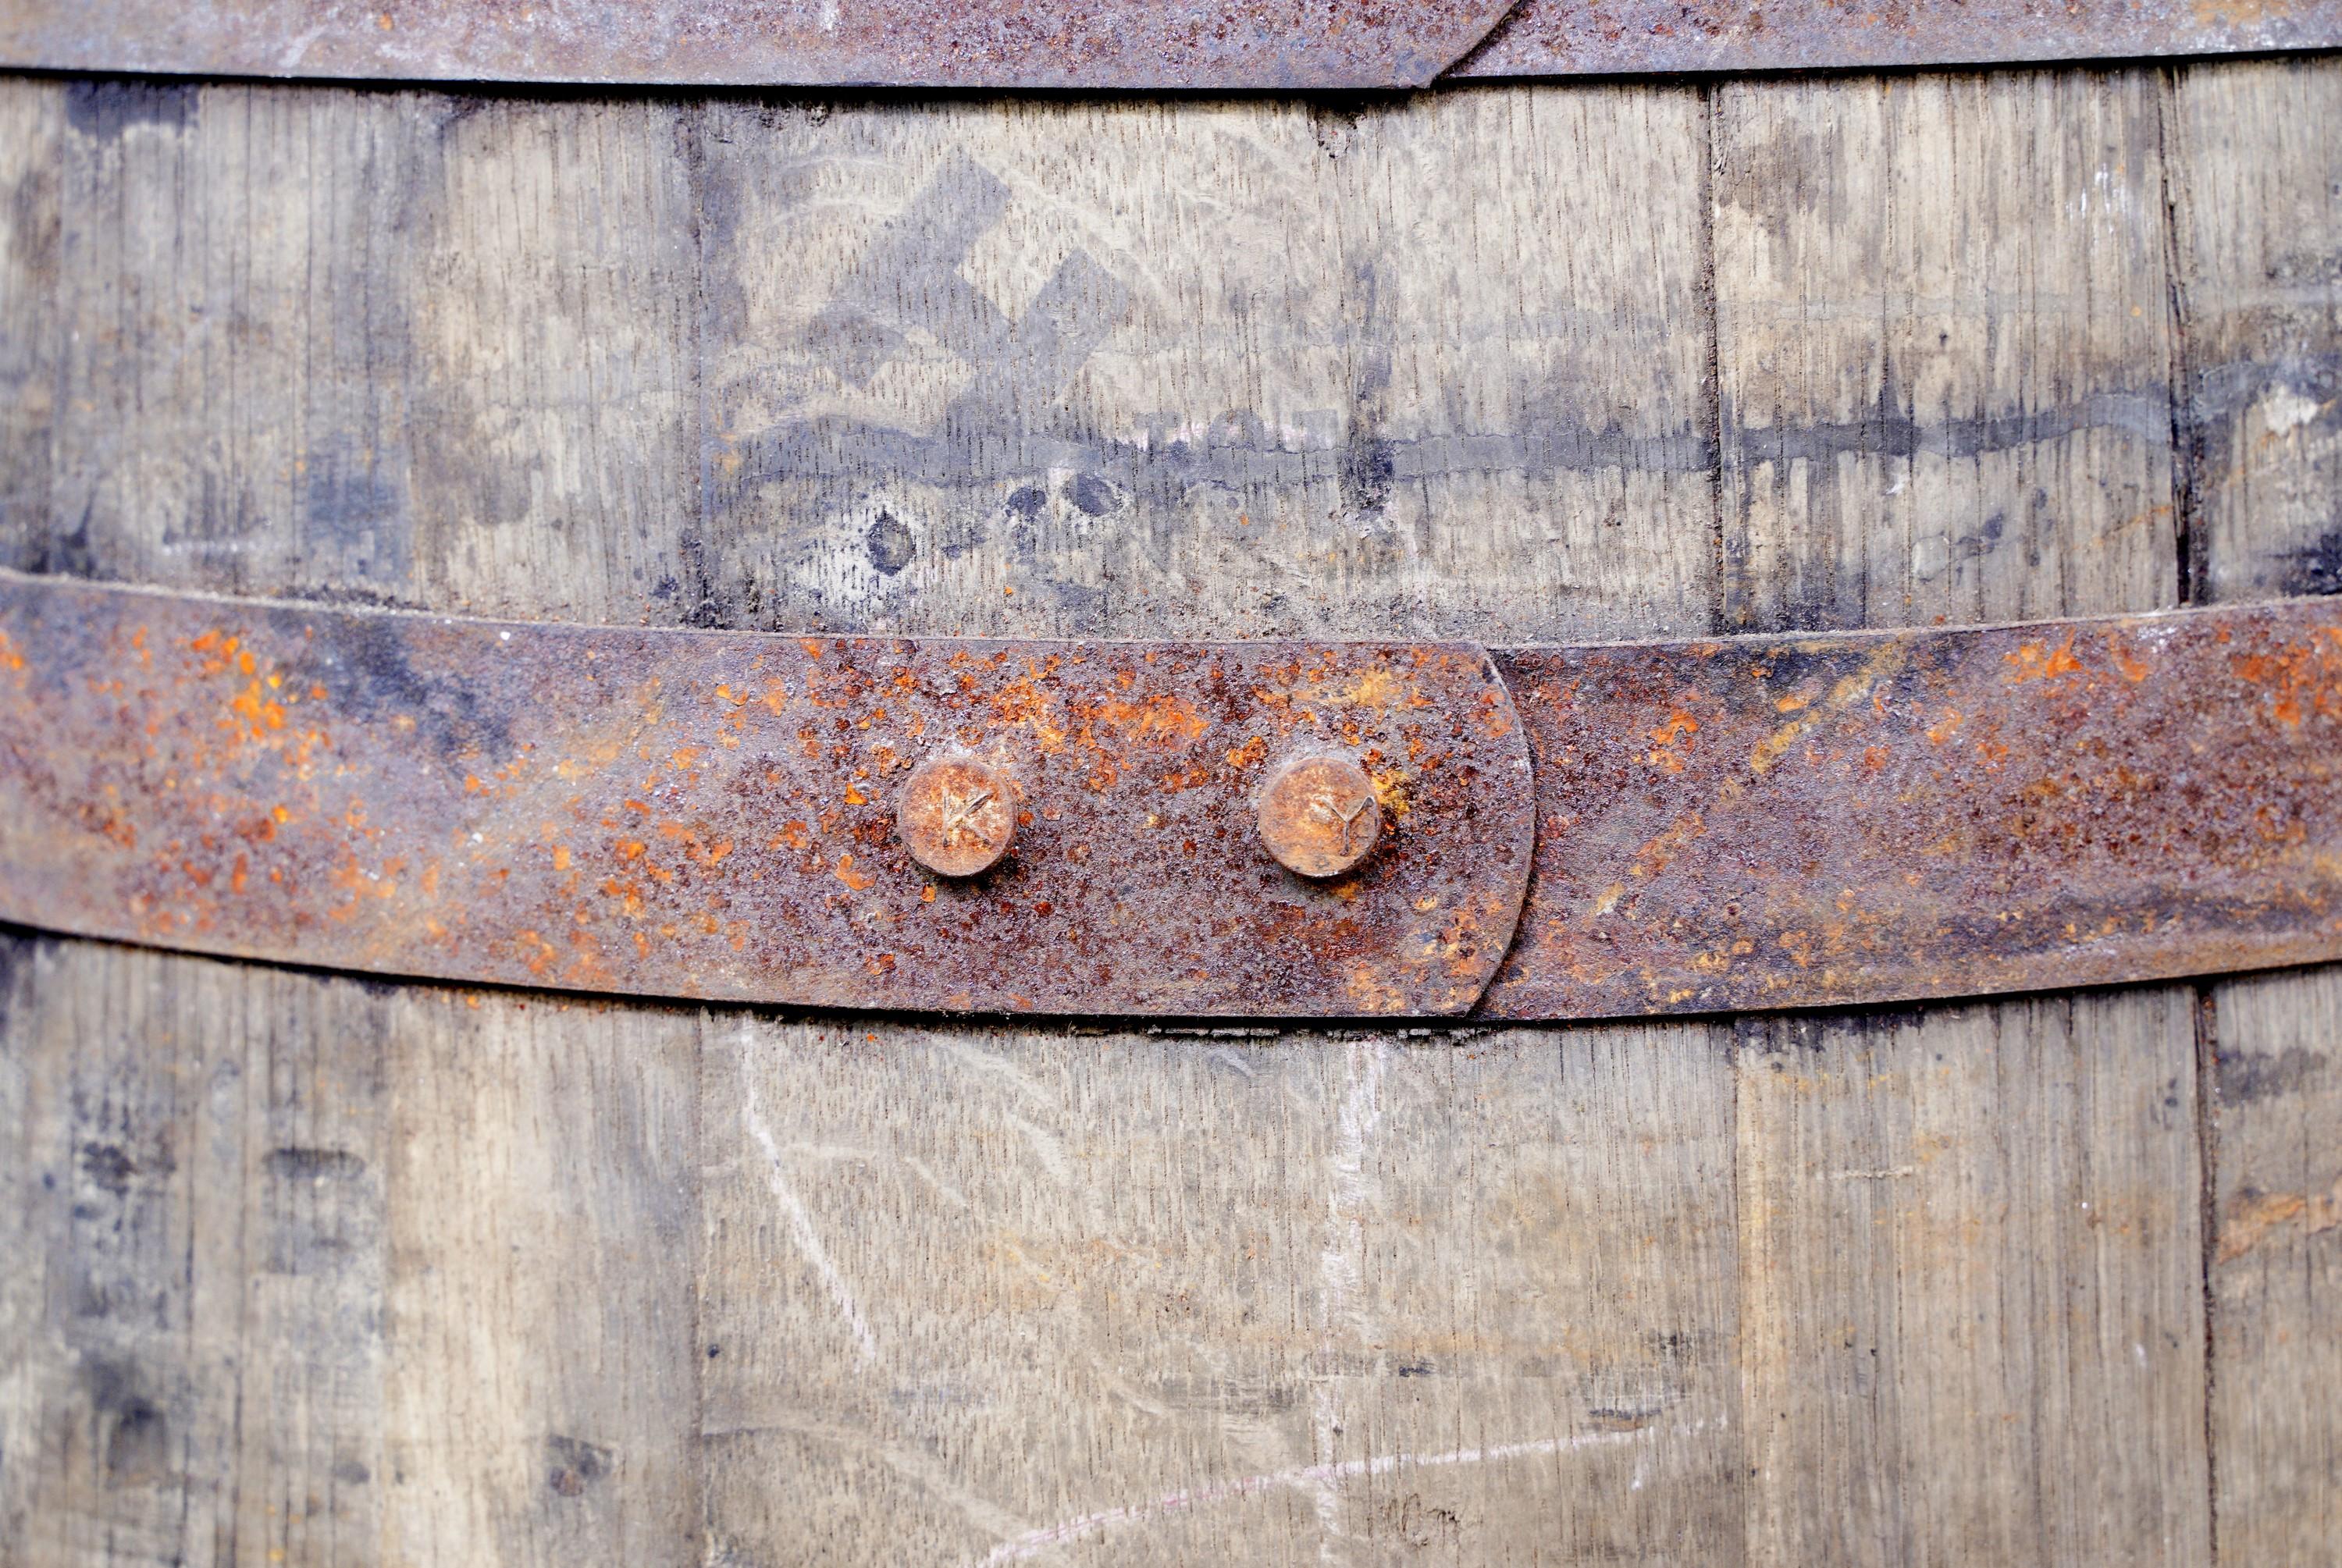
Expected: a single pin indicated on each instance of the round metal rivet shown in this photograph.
(957, 815)
(1318, 814)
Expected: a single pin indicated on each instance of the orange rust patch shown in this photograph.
(2300, 678)
(1164, 716)
(2037, 662)
(2252, 1218)
(1679, 727)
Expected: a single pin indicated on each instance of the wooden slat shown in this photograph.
(2257, 193)
(1220, 370)
(224, 275)
(295, 1267)
(1179, 1300)
(1971, 1322)
(31, 124)
(1208, 369)
(196, 1225)
(544, 1215)
(2256, 184)
(2276, 1267)
(1942, 313)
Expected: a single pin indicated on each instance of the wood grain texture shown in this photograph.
(1518, 363)
(295, 1270)
(1971, 1317)
(2256, 203)
(196, 1220)
(1132, 1299)
(1211, 369)
(1971, 1310)
(1944, 345)
(31, 124)
(2276, 1266)
(1221, 370)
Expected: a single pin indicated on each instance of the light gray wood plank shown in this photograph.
(1121, 1298)
(1941, 344)
(1216, 368)
(1221, 370)
(1972, 1326)
(2256, 195)
(191, 1338)
(2276, 1266)
(549, 350)
(309, 1270)
(1942, 309)
(541, 1397)
(232, 272)
(31, 126)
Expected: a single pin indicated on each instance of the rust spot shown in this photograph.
(2252, 1218)
(2038, 661)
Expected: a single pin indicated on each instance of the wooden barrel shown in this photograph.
(296, 1267)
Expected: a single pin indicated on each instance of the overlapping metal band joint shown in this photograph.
(1281, 828)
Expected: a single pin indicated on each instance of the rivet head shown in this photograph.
(957, 815)
(1318, 814)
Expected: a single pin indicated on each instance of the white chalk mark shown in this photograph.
(2285, 411)
(801, 1231)
(1046, 1146)
(1033, 1543)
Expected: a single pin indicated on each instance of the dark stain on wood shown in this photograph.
(573, 1465)
(105, 107)
(2318, 568)
(134, 1431)
(2249, 1075)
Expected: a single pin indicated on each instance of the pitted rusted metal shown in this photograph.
(710, 813)
(1702, 826)
(1209, 44)
(1098, 43)
(1790, 822)
(1634, 37)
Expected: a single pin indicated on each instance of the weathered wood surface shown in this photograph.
(370, 1276)
(2258, 239)
(1971, 1318)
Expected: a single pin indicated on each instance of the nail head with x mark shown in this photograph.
(957, 815)
(1318, 814)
